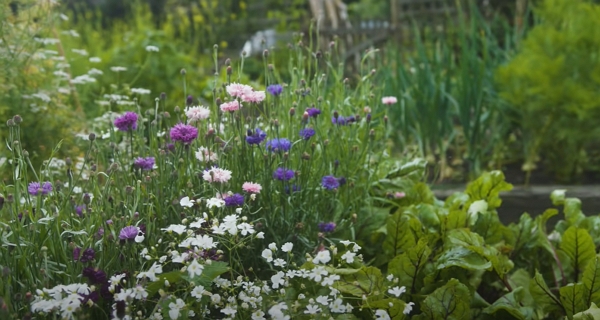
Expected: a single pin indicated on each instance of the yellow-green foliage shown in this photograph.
(554, 86)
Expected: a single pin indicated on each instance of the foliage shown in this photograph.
(552, 85)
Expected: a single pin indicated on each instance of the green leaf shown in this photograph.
(399, 236)
(463, 258)
(579, 246)
(394, 307)
(211, 271)
(488, 187)
(367, 281)
(454, 220)
(407, 266)
(573, 213)
(448, 302)
(173, 277)
(542, 295)
(592, 313)
(422, 194)
(572, 298)
(591, 281)
(511, 303)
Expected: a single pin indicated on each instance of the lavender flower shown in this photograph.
(307, 133)
(184, 133)
(76, 253)
(79, 210)
(330, 182)
(313, 112)
(127, 122)
(255, 137)
(340, 120)
(281, 144)
(275, 89)
(129, 233)
(327, 227)
(144, 163)
(283, 174)
(234, 200)
(35, 188)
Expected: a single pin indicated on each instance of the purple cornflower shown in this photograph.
(35, 188)
(144, 163)
(76, 253)
(327, 227)
(340, 120)
(129, 233)
(283, 174)
(281, 144)
(330, 182)
(88, 255)
(234, 200)
(306, 133)
(255, 137)
(127, 122)
(184, 133)
(79, 210)
(275, 89)
(313, 112)
(95, 275)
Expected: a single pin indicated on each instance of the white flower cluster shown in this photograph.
(65, 299)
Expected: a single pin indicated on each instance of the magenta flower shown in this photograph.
(184, 133)
(389, 100)
(144, 163)
(129, 233)
(127, 122)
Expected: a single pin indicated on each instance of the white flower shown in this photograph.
(381, 314)
(328, 281)
(287, 247)
(322, 257)
(196, 113)
(317, 273)
(356, 247)
(215, 298)
(118, 69)
(95, 60)
(277, 280)
(152, 48)
(197, 292)
(81, 52)
(324, 300)
(337, 306)
(195, 269)
(177, 228)
(186, 202)
(260, 235)
(94, 71)
(408, 307)
(279, 262)
(346, 242)
(215, 202)
(348, 256)
(397, 291)
(273, 246)
(245, 228)
(312, 309)
(140, 91)
(230, 311)
(175, 308)
(139, 238)
(258, 315)
(276, 311)
(268, 255)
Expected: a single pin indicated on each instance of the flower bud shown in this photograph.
(292, 111)
(163, 96)
(265, 53)
(229, 70)
(183, 72)
(17, 119)
(10, 123)
(92, 136)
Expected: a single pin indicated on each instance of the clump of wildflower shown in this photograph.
(254, 97)
(144, 163)
(230, 106)
(184, 133)
(255, 137)
(327, 227)
(215, 174)
(238, 90)
(194, 114)
(389, 100)
(234, 200)
(35, 188)
(251, 187)
(281, 144)
(342, 121)
(313, 112)
(275, 89)
(330, 182)
(127, 122)
(283, 174)
(205, 155)
(307, 133)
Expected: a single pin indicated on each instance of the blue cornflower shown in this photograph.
(255, 137)
(281, 144)
(234, 200)
(340, 120)
(313, 112)
(144, 163)
(306, 133)
(330, 182)
(327, 227)
(283, 174)
(275, 89)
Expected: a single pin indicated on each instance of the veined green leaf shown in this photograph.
(451, 301)
(572, 298)
(573, 213)
(579, 246)
(488, 187)
(511, 303)
(367, 281)
(399, 236)
(463, 258)
(592, 313)
(542, 295)
(394, 307)
(591, 281)
(407, 266)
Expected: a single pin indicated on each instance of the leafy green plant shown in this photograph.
(552, 85)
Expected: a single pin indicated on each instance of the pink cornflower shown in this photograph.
(196, 113)
(254, 96)
(205, 155)
(230, 106)
(389, 100)
(216, 175)
(251, 187)
(399, 195)
(237, 90)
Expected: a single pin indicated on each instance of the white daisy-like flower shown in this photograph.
(186, 202)
(397, 291)
(408, 307)
(323, 257)
(195, 269)
(287, 247)
(152, 48)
